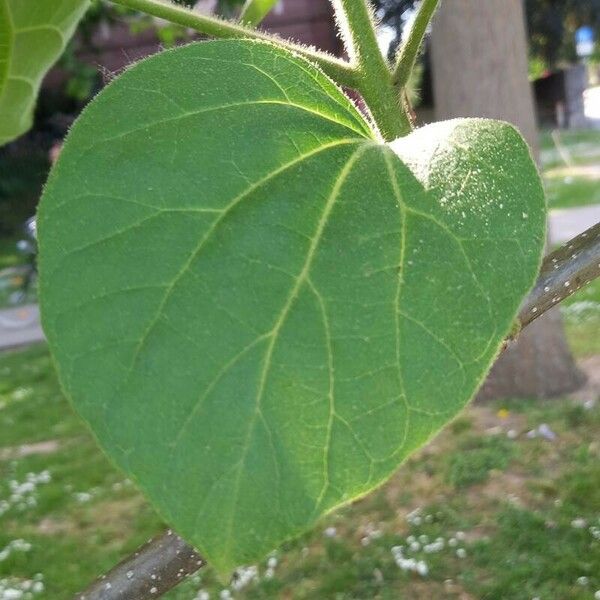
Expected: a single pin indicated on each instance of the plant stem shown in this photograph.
(409, 51)
(565, 271)
(355, 20)
(170, 559)
(157, 567)
(340, 71)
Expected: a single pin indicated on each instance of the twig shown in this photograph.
(156, 567)
(164, 562)
(565, 271)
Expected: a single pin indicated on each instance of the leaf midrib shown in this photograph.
(232, 361)
(207, 236)
(274, 334)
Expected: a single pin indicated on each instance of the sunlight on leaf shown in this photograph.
(260, 308)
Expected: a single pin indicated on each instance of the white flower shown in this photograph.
(83, 497)
(244, 576)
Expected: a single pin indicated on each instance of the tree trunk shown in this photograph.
(479, 57)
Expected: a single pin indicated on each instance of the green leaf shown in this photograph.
(259, 307)
(254, 11)
(33, 35)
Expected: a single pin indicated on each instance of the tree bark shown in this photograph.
(479, 57)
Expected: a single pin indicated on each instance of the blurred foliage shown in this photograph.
(552, 26)
(22, 176)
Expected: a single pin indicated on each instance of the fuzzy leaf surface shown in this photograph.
(259, 307)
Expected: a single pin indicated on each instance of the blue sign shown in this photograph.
(585, 41)
(584, 34)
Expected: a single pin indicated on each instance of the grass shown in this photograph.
(571, 167)
(476, 457)
(485, 511)
(581, 313)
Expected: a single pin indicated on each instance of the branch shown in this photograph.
(409, 50)
(157, 567)
(355, 20)
(340, 71)
(564, 272)
(164, 562)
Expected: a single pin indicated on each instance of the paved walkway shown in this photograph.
(21, 326)
(566, 223)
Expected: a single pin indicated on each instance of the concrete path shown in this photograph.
(566, 223)
(21, 326)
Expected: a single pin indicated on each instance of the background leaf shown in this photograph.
(260, 308)
(33, 35)
(254, 11)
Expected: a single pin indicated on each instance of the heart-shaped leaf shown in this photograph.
(259, 307)
(33, 34)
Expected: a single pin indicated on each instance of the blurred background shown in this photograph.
(505, 504)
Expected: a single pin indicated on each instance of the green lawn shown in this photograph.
(571, 167)
(485, 511)
(581, 313)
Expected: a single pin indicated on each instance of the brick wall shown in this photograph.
(306, 21)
